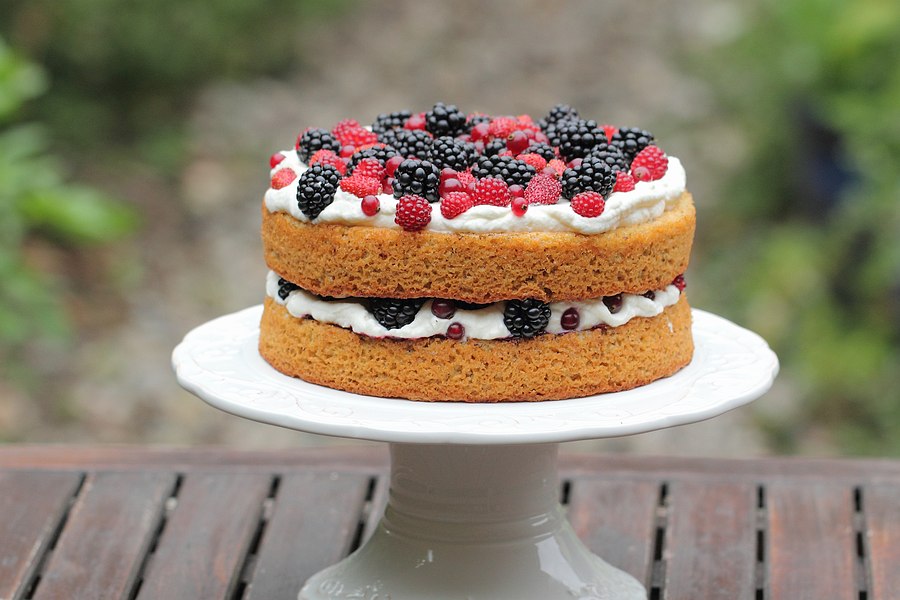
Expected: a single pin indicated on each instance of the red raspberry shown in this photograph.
(502, 127)
(361, 186)
(535, 160)
(650, 164)
(543, 189)
(416, 121)
(283, 178)
(493, 191)
(455, 203)
(275, 159)
(558, 166)
(370, 205)
(588, 204)
(519, 206)
(413, 213)
(327, 157)
(679, 283)
(624, 182)
(370, 167)
(350, 133)
(465, 178)
(480, 132)
(609, 130)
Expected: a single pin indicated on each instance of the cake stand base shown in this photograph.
(473, 522)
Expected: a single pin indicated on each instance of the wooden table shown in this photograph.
(202, 524)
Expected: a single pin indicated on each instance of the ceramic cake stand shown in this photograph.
(473, 510)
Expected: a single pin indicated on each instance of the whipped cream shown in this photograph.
(483, 323)
(646, 202)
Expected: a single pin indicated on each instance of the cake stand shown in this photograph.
(473, 510)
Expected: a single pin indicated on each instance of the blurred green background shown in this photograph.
(134, 140)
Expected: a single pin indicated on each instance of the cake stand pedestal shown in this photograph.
(473, 510)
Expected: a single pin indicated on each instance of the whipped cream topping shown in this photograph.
(483, 323)
(646, 202)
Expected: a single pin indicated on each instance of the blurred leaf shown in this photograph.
(76, 214)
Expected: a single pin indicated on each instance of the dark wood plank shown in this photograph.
(32, 506)
(881, 507)
(616, 520)
(206, 538)
(710, 544)
(314, 520)
(811, 550)
(109, 530)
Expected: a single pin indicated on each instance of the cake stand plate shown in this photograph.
(473, 510)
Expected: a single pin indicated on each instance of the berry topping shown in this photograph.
(466, 178)
(592, 175)
(456, 331)
(450, 152)
(316, 188)
(445, 119)
(535, 160)
(502, 127)
(631, 140)
(613, 303)
(545, 151)
(624, 182)
(413, 213)
(417, 177)
(275, 159)
(454, 204)
(508, 169)
(415, 122)
(526, 318)
(679, 283)
(519, 206)
(588, 204)
(361, 186)
(609, 131)
(543, 189)
(392, 163)
(611, 155)
(560, 112)
(650, 164)
(651, 295)
(285, 287)
(380, 152)
(558, 166)
(350, 133)
(283, 178)
(370, 167)
(494, 147)
(570, 319)
(394, 120)
(492, 191)
(314, 139)
(517, 141)
(370, 205)
(394, 313)
(578, 138)
(408, 142)
(328, 157)
(443, 309)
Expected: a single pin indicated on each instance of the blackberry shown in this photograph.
(494, 147)
(507, 168)
(386, 121)
(314, 139)
(560, 112)
(592, 175)
(408, 142)
(316, 188)
(631, 140)
(419, 178)
(380, 153)
(450, 152)
(285, 287)
(394, 313)
(476, 119)
(543, 150)
(611, 155)
(445, 119)
(578, 138)
(526, 318)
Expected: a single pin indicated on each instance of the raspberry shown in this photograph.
(592, 175)
(381, 152)
(275, 159)
(345, 131)
(413, 213)
(465, 178)
(417, 177)
(416, 121)
(370, 205)
(283, 178)
(492, 191)
(588, 204)
(631, 140)
(624, 182)
(558, 166)
(361, 186)
(543, 189)
(445, 119)
(679, 283)
(650, 164)
(370, 167)
(394, 313)
(454, 204)
(535, 160)
(315, 139)
(316, 188)
(328, 157)
(394, 120)
(609, 131)
(480, 129)
(526, 318)
(519, 206)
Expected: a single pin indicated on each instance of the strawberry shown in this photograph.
(361, 186)
(283, 178)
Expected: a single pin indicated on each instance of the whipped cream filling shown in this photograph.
(646, 202)
(483, 323)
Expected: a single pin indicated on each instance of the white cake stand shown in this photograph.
(473, 512)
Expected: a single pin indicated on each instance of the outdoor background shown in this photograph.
(134, 140)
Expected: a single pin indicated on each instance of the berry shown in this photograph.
(370, 167)
(275, 159)
(526, 318)
(611, 155)
(456, 331)
(613, 303)
(517, 191)
(651, 295)
(588, 204)
(361, 186)
(465, 178)
(508, 169)
(650, 164)
(391, 164)
(285, 287)
(443, 309)
(316, 188)
(492, 191)
(315, 139)
(450, 152)
(558, 166)
(494, 147)
(502, 127)
(445, 119)
(416, 121)
(631, 140)
(624, 182)
(543, 189)
(546, 151)
(413, 213)
(535, 160)
(454, 204)
(578, 138)
(679, 283)
(519, 206)
(370, 205)
(517, 141)
(417, 177)
(476, 119)
(451, 184)
(328, 157)
(570, 319)
(560, 112)
(609, 131)
(350, 133)
(283, 178)
(380, 152)
(481, 129)
(592, 175)
(394, 313)
(394, 120)
(408, 142)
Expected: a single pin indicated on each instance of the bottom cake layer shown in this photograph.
(548, 367)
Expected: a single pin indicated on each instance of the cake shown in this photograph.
(445, 256)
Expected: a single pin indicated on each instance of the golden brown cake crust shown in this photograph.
(547, 367)
(339, 260)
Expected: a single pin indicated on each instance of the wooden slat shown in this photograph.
(710, 544)
(811, 550)
(107, 535)
(314, 520)
(207, 536)
(881, 507)
(616, 520)
(32, 505)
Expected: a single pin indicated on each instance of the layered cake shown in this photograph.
(446, 256)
